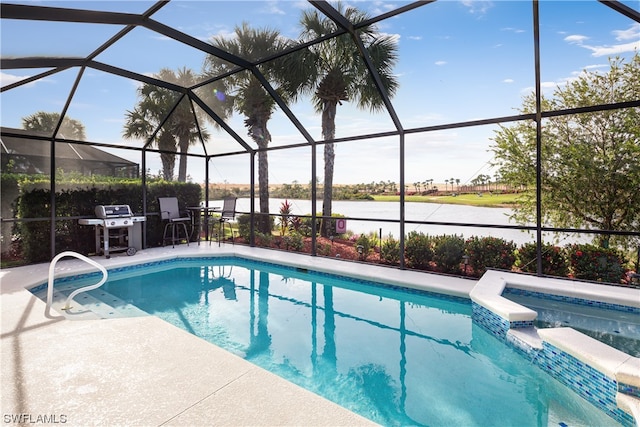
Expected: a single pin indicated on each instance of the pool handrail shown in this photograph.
(52, 267)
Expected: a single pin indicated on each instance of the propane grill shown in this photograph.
(117, 229)
(115, 215)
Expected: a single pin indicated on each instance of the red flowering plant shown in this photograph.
(489, 252)
(554, 259)
(285, 219)
(590, 262)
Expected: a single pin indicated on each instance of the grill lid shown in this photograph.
(113, 211)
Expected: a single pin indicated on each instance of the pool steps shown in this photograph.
(607, 377)
(96, 304)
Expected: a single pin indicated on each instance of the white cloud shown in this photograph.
(424, 119)
(479, 7)
(440, 62)
(512, 30)
(272, 8)
(576, 39)
(414, 37)
(596, 66)
(613, 50)
(508, 81)
(632, 33)
(547, 88)
(382, 7)
(393, 36)
(8, 79)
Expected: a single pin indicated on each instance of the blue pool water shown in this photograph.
(393, 356)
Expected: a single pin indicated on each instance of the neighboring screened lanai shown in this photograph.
(27, 155)
(393, 95)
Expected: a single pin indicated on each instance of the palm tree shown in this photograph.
(47, 122)
(249, 97)
(154, 103)
(139, 127)
(183, 120)
(340, 75)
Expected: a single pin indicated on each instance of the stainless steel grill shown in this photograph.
(117, 230)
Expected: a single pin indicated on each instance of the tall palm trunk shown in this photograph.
(264, 225)
(260, 134)
(168, 159)
(184, 149)
(328, 133)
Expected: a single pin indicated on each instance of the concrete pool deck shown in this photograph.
(144, 371)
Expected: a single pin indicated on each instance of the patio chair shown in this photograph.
(227, 214)
(176, 222)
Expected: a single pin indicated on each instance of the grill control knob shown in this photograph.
(113, 223)
(126, 222)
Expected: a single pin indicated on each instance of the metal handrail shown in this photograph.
(52, 267)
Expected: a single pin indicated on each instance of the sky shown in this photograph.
(458, 61)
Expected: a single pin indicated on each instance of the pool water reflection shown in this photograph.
(395, 357)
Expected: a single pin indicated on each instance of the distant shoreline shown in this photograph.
(479, 199)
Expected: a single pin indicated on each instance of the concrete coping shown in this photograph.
(488, 293)
(608, 360)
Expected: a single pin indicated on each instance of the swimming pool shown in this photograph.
(393, 356)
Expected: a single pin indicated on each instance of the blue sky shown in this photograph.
(458, 61)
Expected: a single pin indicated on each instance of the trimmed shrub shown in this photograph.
(554, 260)
(263, 240)
(306, 225)
(244, 226)
(590, 262)
(293, 241)
(390, 251)
(418, 250)
(489, 252)
(448, 252)
(367, 243)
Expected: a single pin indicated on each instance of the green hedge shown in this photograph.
(554, 259)
(35, 202)
(590, 262)
(489, 252)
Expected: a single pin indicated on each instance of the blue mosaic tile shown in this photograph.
(493, 323)
(583, 379)
(629, 389)
(524, 348)
(518, 324)
(572, 300)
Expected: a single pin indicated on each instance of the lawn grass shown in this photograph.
(483, 200)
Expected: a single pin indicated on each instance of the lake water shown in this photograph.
(415, 211)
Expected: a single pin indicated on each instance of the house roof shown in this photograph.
(33, 145)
